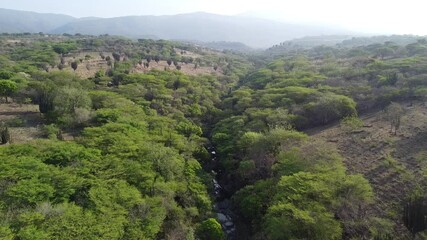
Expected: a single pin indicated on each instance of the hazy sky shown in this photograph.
(377, 16)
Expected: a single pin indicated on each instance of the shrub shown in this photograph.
(351, 123)
(51, 131)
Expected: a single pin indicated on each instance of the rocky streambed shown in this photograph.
(222, 205)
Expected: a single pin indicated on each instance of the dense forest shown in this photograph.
(111, 138)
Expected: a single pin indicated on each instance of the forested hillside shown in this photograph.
(111, 138)
(293, 187)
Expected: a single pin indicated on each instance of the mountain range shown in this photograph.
(200, 26)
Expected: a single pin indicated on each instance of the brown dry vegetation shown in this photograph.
(88, 67)
(393, 164)
(26, 121)
(185, 68)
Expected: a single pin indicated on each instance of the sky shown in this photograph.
(370, 16)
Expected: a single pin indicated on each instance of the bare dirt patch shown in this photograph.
(88, 63)
(25, 121)
(188, 69)
(88, 67)
(186, 53)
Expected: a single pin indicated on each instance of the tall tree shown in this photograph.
(7, 88)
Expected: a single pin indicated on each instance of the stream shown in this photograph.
(222, 205)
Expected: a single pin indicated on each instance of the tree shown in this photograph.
(210, 229)
(4, 134)
(287, 221)
(6, 75)
(45, 96)
(385, 52)
(169, 61)
(68, 99)
(7, 88)
(64, 48)
(116, 57)
(393, 114)
(6, 233)
(414, 84)
(329, 107)
(74, 65)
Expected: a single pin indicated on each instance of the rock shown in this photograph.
(221, 218)
(229, 224)
(230, 233)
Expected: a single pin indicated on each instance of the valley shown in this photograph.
(107, 137)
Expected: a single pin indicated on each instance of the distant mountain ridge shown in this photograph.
(14, 21)
(205, 27)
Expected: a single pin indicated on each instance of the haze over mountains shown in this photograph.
(205, 27)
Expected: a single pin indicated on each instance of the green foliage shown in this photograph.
(330, 107)
(33, 58)
(393, 114)
(134, 170)
(188, 129)
(6, 75)
(253, 200)
(28, 192)
(6, 233)
(210, 229)
(285, 221)
(7, 88)
(64, 48)
(106, 115)
(381, 228)
(351, 123)
(310, 189)
(67, 100)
